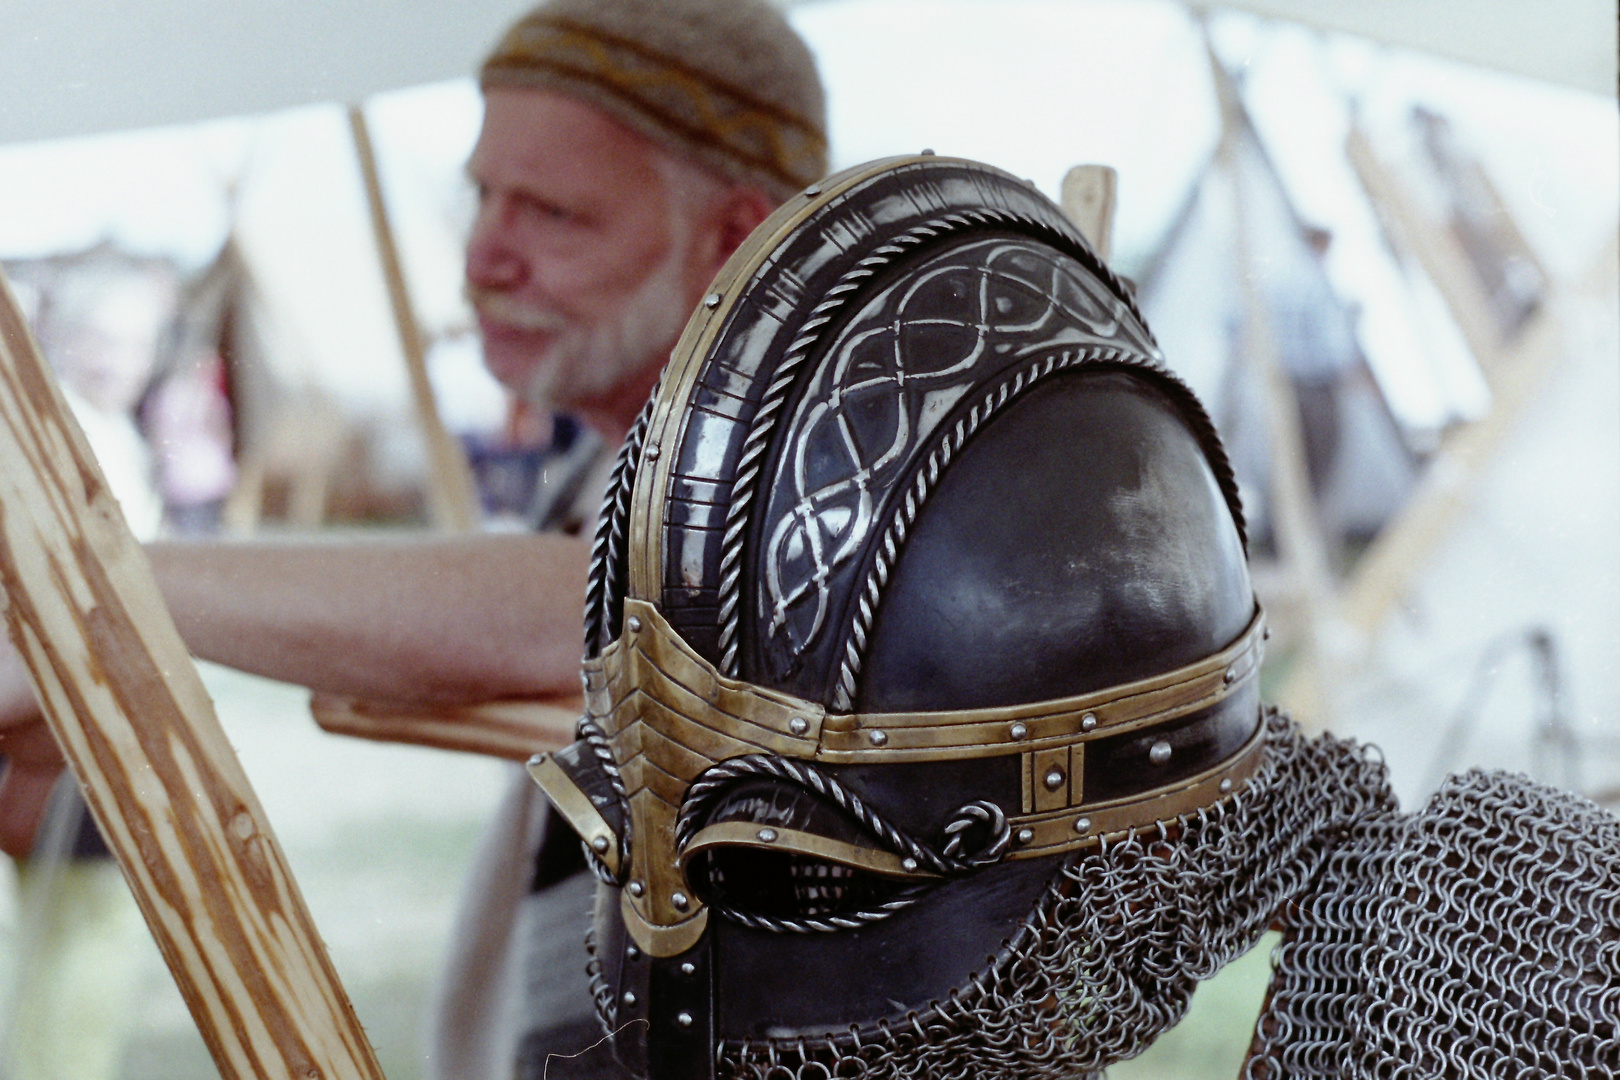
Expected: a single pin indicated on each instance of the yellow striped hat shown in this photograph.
(725, 83)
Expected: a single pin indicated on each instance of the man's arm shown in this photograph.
(448, 621)
(445, 620)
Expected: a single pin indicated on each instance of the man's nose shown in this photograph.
(492, 262)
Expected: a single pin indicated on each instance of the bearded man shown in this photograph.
(628, 147)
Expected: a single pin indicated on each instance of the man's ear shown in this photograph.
(739, 213)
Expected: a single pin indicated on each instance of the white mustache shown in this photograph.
(503, 309)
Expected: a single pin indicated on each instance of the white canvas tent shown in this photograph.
(99, 65)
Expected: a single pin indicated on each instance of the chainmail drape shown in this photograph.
(1479, 937)
(1111, 955)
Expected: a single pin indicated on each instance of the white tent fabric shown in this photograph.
(84, 66)
(1570, 42)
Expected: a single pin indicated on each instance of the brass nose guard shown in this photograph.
(668, 716)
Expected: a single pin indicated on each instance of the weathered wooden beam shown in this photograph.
(1088, 200)
(1514, 369)
(126, 704)
(516, 729)
(1308, 691)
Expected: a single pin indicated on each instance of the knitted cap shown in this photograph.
(727, 84)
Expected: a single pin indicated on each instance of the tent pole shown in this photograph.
(452, 494)
(1307, 691)
(1514, 370)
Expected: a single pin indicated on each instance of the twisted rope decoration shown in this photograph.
(607, 1002)
(823, 924)
(744, 485)
(952, 861)
(595, 738)
(605, 583)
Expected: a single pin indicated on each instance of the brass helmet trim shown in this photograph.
(707, 721)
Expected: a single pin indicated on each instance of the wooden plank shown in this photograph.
(452, 494)
(508, 729)
(1088, 198)
(126, 704)
(1436, 249)
(1515, 370)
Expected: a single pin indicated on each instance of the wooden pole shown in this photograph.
(1436, 249)
(127, 707)
(452, 494)
(1514, 369)
(1088, 200)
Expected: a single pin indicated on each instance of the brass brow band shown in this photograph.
(686, 685)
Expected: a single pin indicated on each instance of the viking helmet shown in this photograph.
(920, 577)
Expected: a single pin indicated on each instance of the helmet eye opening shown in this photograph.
(786, 885)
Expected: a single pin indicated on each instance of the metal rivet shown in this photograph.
(688, 968)
(653, 450)
(712, 300)
(909, 865)
(599, 844)
(635, 624)
(1088, 722)
(878, 738)
(629, 997)
(927, 152)
(637, 888)
(633, 953)
(1082, 825)
(1018, 731)
(1230, 676)
(813, 190)
(1053, 779)
(1159, 753)
(684, 1019)
(1025, 835)
(798, 725)
(1226, 785)
(767, 836)
(680, 900)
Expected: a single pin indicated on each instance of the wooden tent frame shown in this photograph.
(1353, 609)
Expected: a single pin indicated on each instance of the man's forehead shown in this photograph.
(543, 136)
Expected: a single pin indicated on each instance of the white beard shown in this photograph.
(587, 361)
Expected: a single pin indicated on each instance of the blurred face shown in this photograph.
(581, 267)
(104, 337)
